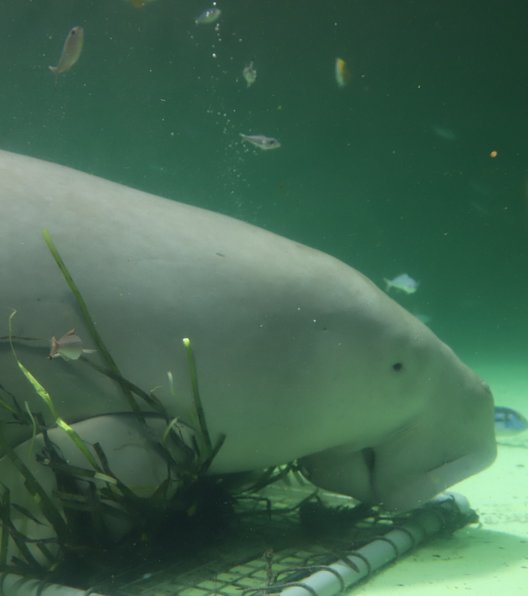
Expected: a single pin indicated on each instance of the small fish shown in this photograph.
(208, 16)
(447, 134)
(424, 318)
(509, 421)
(71, 51)
(68, 347)
(404, 283)
(250, 74)
(262, 142)
(342, 74)
(140, 3)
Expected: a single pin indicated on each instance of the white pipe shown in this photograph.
(328, 580)
(334, 578)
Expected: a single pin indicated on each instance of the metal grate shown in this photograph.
(262, 550)
(284, 541)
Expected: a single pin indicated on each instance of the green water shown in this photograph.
(391, 174)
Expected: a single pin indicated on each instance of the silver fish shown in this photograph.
(209, 16)
(71, 51)
(262, 142)
(404, 283)
(250, 74)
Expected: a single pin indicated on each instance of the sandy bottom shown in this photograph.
(492, 558)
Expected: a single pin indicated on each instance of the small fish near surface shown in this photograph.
(425, 318)
(508, 421)
(208, 16)
(250, 74)
(71, 51)
(444, 133)
(68, 347)
(403, 283)
(140, 3)
(261, 141)
(342, 74)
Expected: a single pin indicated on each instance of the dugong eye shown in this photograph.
(397, 366)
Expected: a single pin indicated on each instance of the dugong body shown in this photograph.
(299, 356)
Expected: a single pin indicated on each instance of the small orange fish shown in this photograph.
(71, 51)
(342, 74)
(68, 347)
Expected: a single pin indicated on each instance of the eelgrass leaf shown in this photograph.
(46, 398)
(48, 508)
(87, 318)
(24, 511)
(199, 414)
(5, 503)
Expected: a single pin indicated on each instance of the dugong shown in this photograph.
(299, 356)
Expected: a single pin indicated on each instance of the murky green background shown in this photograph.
(391, 174)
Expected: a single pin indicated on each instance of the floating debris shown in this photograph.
(71, 51)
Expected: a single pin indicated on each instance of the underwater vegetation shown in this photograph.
(90, 518)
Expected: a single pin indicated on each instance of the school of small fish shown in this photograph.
(74, 42)
(70, 346)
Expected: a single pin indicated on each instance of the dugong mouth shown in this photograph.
(363, 475)
(416, 489)
(414, 463)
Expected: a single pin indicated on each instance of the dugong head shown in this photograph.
(450, 437)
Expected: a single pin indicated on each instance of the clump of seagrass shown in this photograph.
(77, 515)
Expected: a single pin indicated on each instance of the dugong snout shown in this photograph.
(450, 438)
(444, 446)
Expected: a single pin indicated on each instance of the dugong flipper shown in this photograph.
(299, 355)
